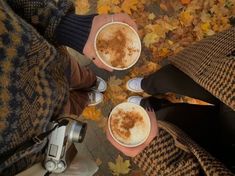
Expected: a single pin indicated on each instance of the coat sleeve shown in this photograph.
(44, 15)
(56, 21)
(173, 153)
(163, 157)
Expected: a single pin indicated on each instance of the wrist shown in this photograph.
(73, 31)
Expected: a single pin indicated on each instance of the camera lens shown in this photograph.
(78, 132)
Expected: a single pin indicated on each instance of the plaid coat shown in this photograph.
(173, 153)
(211, 63)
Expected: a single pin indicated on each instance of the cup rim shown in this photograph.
(146, 116)
(97, 53)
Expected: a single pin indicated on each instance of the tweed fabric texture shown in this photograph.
(211, 64)
(173, 153)
(34, 87)
(44, 15)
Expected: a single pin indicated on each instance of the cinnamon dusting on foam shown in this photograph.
(122, 122)
(116, 47)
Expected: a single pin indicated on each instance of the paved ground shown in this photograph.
(95, 145)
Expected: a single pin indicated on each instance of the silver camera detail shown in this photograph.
(61, 150)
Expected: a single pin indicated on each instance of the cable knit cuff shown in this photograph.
(73, 31)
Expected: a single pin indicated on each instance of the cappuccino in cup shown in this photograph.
(118, 45)
(129, 124)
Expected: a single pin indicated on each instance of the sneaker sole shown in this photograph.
(101, 90)
(133, 90)
(96, 103)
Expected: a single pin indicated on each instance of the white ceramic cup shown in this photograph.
(139, 133)
(132, 48)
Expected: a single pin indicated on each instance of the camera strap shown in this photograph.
(29, 143)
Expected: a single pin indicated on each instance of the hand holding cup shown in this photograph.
(97, 23)
(133, 151)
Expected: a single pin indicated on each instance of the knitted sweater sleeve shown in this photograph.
(55, 20)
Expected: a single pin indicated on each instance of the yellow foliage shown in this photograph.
(205, 26)
(114, 81)
(106, 6)
(185, 1)
(145, 69)
(150, 38)
(151, 16)
(129, 5)
(82, 7)
(186, 18)
(116, 9)
(104, 9)
(92, 113)
(116, 91)
(164, 52)
(120, 166)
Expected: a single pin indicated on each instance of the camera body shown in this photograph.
(61, 150)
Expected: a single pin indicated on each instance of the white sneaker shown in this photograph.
(134, 84)
(135, 99)
(100, 85)
(95, 98)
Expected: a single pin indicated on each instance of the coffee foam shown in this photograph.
(118, 45)
(129, 136)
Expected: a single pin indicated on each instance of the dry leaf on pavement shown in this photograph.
(120, 166)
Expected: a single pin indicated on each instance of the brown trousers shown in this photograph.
(81, 79)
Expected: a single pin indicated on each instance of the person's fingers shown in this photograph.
(128, 151)
(100, 64)
(126, 19)
(114, 143)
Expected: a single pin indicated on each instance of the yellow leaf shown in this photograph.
(160, 29)
(116, 9)
(120, 167)
(115, 2)
(103, 9)
(151, 16)
(185, 1)
(186, 18)
(205, 27)
(205, 17)
(164, 52)
(92, 113)
(170, 42)
(146, 69)
(82, 7)
(150, 38)
(114, 81)
(129, 5)
(103, 6)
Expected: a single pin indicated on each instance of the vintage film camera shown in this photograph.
(61, 149)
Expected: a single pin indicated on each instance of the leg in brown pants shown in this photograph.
(81, 79)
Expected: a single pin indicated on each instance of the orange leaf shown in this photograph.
(104, 9)
(185, 2)
(92, 113)
(82, 7)
(129, 5)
